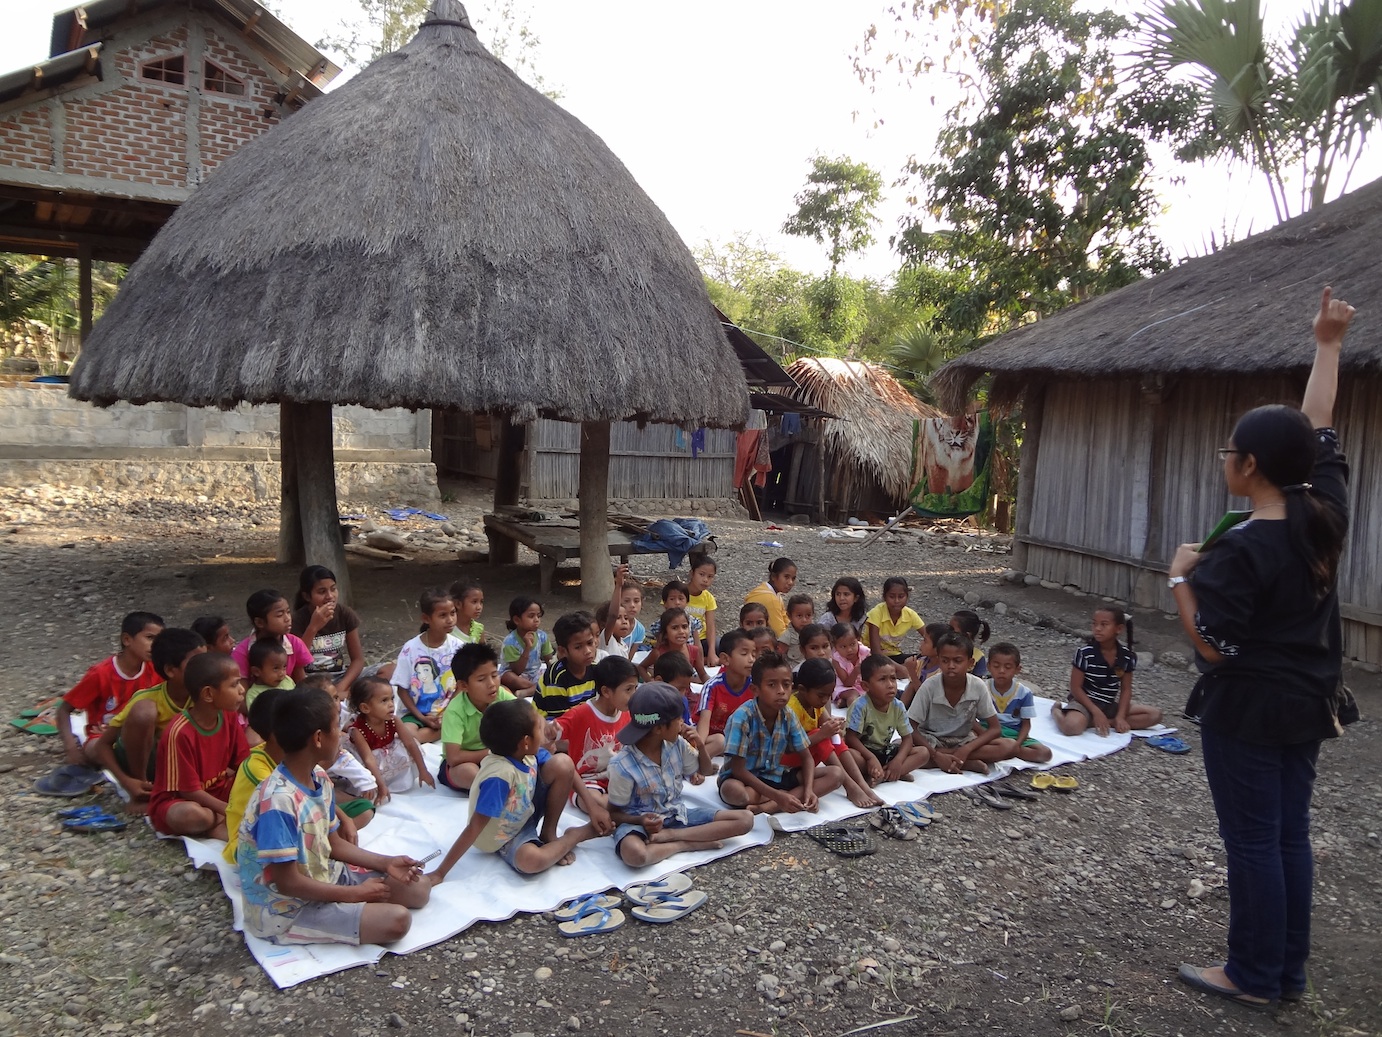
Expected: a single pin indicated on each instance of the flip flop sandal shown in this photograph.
(670, 908)
(645, 892)
(919, 813)
(96, 823)
(582, 906)
(1011, 791)
(1168, 744)
(980, 794)
(845, 840)
(88, 811)
(593, 921)
(892, 824)
(1041, 781)
(1065, 783)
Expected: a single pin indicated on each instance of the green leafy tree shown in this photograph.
(1310, 97)
(1041, 181)
(40, 305)
(385, 25)
(837, 206)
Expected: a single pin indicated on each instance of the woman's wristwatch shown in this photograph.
(1174, 581)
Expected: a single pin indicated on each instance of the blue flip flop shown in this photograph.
(592, 920)
(920, 813)
(101, 822)
(74, 812)
(1168, 744)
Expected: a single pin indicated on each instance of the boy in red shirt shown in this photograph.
(589, 734)
(728, 691)
(200, 752)
(108, 685)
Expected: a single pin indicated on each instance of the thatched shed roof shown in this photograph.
(1246, 309)
(434, 233)
(874, 428)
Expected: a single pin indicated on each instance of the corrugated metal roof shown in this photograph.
(80, 24)
(55, 71)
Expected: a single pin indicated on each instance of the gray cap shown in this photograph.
(651, 704)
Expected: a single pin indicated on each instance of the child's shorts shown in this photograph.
(695, 816)
(822, 752)
(444, 776)
(885, 755)
(509, 851)
(574, 798)
(949, 741)
(790, 779)
(122, 758)
(1011, 732)
(1103, 708)
(353, 808)
(320, 922)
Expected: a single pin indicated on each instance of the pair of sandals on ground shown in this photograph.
(658, 902)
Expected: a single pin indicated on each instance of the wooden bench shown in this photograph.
(554, 541)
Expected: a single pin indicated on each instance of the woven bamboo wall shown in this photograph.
(644, 463)
(1127, 472)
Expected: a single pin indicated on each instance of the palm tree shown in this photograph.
(915, 354)
(1310, 98)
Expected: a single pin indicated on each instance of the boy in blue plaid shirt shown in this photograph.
(757, 735)
(645, 779)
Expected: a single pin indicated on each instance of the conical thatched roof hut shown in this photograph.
(866, 451)
(435, 233)
(1125, 398)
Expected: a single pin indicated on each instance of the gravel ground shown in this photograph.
(1065, 916)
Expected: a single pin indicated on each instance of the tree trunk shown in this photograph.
(508, 481)
(597, 578)
(85, 304)
(290, 549)
(316, 479)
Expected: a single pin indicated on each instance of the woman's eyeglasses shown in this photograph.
(1224, 452)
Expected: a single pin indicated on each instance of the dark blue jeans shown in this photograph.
(1262, 796)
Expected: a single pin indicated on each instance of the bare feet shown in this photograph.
(907, 777)
(977, 766)
(570, 858)
(863, 798)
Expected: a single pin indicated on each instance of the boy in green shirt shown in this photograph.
(476, 669)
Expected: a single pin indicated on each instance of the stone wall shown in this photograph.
(48, 438)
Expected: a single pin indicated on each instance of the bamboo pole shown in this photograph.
(597, 578)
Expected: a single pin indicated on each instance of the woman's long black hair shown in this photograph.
(1283, 443)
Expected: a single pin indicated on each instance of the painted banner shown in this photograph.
(952, 459)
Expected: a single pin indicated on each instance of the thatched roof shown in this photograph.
(1244, 309)
(434, 233)
(874, 431)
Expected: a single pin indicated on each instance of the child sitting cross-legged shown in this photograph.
(422, 673)
(812, 687)
(674, 635)
(478, 687)
(676, 670)
(303, 881)
(200, 752)
(570, 680)
(257, 766)
(645, 783)
(1014, 702)
(730, 689)
(873, 720)
(388, 749)
(268, 663)
(106, 687)
(801, 613)
(758, 735)
(947, 708)
(519, 787)
(589, 734)
(126, 746)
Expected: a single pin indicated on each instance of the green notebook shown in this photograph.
(1230, 519)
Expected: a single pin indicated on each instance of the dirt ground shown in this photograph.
(1065, 916)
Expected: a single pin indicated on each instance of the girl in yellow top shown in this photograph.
(700, 603)
(891, 620)
(772, 593)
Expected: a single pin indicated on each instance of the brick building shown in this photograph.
(137, 102)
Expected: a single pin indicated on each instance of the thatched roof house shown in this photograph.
(1127, 396)
(435, 233)
(863, 461)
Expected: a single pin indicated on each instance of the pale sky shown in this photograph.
(717, 107)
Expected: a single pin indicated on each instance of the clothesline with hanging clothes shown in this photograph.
(751, 457)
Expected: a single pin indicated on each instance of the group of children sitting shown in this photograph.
(285, 742)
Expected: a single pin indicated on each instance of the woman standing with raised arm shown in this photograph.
(1261, 608)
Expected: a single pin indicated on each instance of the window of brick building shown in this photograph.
(170, 70)
(216, 80)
